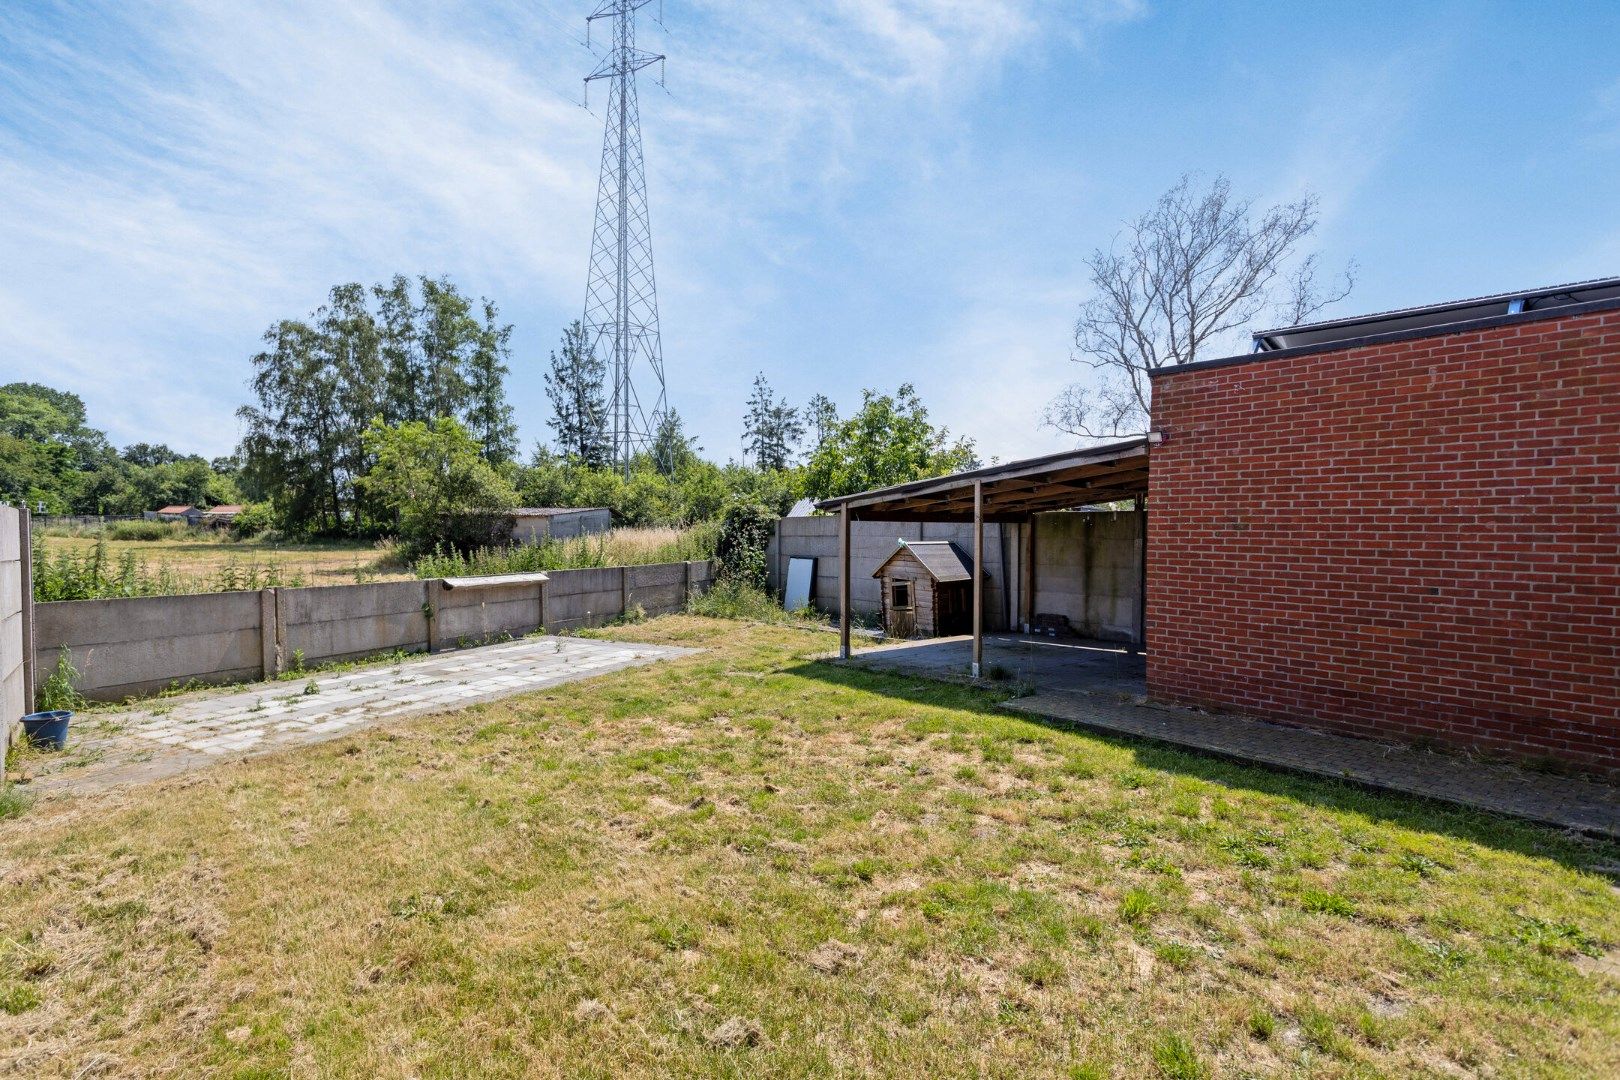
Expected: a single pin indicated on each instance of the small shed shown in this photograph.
(537, 524)
(188, 514)
(927, 588)
(221, 516)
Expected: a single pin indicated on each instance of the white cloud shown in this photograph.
(179, 173)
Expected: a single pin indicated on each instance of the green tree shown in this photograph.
(673, 450)
(448, 332)
(771, 428)
(365, 354)
(822, 416)
(292, 442)
(889, 441)
(489, 417)
(432, 476)
(48, 452)
(578, 402)
(401, 352)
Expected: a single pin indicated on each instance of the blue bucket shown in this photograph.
(48, 729)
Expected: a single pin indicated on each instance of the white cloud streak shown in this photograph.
(179, 173)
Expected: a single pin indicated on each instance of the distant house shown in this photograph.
(220, 517)
(536, 525)
(190, 515)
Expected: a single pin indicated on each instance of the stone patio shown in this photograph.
(169, 736)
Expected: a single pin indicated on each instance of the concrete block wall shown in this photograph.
(130, 647)
(347, 622)
(871, 544)
(1087, 566)
(133, 647)
(16, 672)
(1417, 538)
(470, 616)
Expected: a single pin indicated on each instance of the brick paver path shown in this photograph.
(1554, 800)
(166, 737)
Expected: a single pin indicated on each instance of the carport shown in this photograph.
(1011, 493)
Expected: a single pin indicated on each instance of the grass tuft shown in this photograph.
(1177, 1060)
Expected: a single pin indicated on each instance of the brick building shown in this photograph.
(1404, 526)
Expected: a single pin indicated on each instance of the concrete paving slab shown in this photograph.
(167, 737)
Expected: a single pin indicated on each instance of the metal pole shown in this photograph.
(843, 582)
(978, 577)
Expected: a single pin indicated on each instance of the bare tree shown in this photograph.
(1179, 281)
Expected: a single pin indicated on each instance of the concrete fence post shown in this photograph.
(431, 614)
(270, 635)
(542, 602)
(624, 591)
(30, 659)
(688, 590)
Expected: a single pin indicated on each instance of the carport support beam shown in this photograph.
(843, 582)
(1142, 575)
(978, 577)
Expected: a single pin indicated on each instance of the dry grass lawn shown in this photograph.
(200, 562)
(746, 863)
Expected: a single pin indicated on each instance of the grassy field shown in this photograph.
(747, 863)
(200, 563)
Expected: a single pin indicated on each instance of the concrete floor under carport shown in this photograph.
(1065, 665)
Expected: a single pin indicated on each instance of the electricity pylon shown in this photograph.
(621, 296)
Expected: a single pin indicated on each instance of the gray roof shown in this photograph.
(1436, 315)
(554, 511)
(943, 560)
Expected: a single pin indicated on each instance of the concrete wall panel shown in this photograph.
(131, 646)
(14, 596)
(1087, 566)
(871, 543)
(482, 614)
(136, 646)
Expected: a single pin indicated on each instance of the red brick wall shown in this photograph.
(1414, 540)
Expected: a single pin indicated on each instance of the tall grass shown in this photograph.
(96, 574)
(149, 531)
(138, 531)
(731, 598)
(621, 547)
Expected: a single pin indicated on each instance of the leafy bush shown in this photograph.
(148, 531)
(254, 520)
(745, 534)
(433, 480)
(59, 691)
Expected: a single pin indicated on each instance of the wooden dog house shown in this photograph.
(927, 588)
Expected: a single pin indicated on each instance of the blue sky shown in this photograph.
(846, 193)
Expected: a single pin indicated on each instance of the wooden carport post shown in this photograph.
(843, 582)
(978, 577)
(1141, 575)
